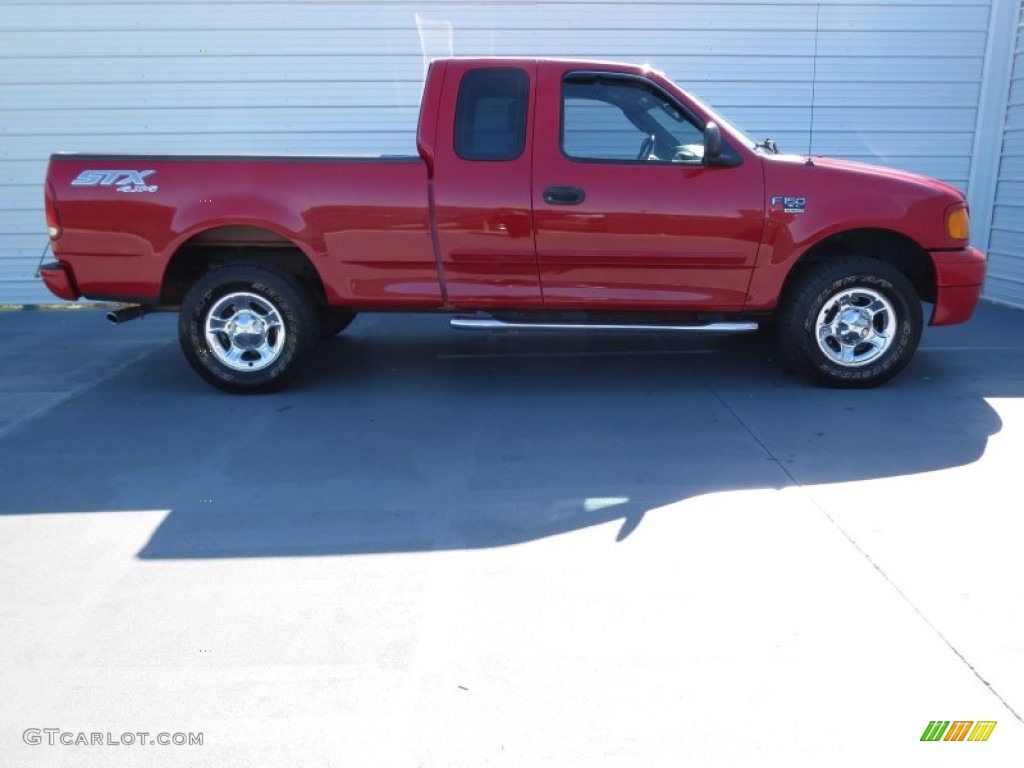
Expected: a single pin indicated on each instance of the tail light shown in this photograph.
(52, 219)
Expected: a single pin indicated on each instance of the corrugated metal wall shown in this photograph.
(1006, 245)
(892, 83)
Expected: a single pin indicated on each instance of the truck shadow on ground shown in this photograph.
(405, 436)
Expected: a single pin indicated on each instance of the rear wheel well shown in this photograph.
(885, 245)
(224, 245)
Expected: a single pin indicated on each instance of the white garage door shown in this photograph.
(1006, 245)
(893, 83)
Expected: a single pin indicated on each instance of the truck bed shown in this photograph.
(363, 221)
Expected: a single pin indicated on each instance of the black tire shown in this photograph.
(868, 341)
(334, 320)
(274, 323)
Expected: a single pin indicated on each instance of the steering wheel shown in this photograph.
(646, 148)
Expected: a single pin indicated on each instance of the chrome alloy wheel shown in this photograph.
(855, 327)
(245, 331)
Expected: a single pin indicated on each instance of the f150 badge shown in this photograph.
(790, 204)
(125, 181)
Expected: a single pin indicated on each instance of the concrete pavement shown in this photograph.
(443, 548)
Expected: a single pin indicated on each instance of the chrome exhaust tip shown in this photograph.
(125, 314)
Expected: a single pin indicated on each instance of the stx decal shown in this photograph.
(125, 181)
(959, 731)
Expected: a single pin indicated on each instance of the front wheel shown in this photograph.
(854, 322)
(246, 329)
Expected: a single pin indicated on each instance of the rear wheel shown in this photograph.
(854, 322)
(246, 328)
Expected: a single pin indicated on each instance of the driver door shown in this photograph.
(627, 216)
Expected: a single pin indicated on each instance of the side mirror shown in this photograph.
(712, 142)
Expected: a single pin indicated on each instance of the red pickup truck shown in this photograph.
(546, 194)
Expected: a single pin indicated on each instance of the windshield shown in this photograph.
(722, 122)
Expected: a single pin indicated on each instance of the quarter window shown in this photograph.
(490, 119)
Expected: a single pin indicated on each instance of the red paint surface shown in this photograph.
(58, 280)
(959, 275)
(440, 232)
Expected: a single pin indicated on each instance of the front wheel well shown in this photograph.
(225, 245)
(887, 246)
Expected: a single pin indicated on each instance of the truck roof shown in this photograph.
(617, 66)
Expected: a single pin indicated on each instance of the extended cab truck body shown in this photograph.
(546, 193)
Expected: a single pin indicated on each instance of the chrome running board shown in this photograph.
(494, 324)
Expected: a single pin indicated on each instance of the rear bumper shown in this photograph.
(959, 276)
(59, 280)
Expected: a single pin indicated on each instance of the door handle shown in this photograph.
(564, 195)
